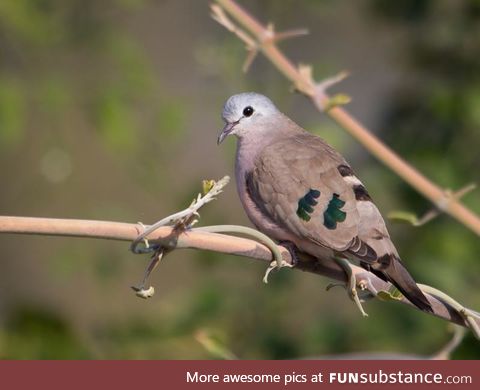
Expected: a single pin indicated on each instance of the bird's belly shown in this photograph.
(315, 250)
(263, 223)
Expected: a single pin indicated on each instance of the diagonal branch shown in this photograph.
(430, 214)
(168, 237)
(317, 93)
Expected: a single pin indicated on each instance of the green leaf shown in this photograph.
(393, 294)
(403, 216)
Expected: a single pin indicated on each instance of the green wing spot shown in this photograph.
(333, 214)
(302, 204)
(303, 214)
(328, 221)
(338, 215)
(306, 204)
(336, 202)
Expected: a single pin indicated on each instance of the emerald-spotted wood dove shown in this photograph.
(296, 188)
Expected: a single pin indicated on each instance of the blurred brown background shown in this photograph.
(110, 110)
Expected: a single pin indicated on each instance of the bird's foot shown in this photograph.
(292, 249)
(351, 285)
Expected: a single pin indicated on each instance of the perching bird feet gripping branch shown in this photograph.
(351, 284)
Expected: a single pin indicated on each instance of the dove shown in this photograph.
(299, 191)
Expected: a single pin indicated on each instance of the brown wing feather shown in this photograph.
(287, 170)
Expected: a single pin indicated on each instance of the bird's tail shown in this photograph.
(396, 273)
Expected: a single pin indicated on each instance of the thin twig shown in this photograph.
(319, 97)
(446, 351)
(432, 213)
(254, 234)
(182, 216)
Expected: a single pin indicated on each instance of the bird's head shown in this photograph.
(245, 113)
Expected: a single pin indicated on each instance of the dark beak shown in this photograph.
(226, 131)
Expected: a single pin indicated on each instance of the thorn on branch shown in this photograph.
(219, 15)
(336, 100)
(305, 82)
(252, 53)
(441, 206)
(271, 37)
(253, 46)
(443, 203)
(281, 36)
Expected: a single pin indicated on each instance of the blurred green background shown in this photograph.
(110, 110)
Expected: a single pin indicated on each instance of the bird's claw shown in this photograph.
(353, 294)
(351, 285)
(292, 249)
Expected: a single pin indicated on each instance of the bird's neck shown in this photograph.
(250, 146)
(247, 151)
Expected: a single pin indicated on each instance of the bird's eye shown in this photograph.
(248, 111)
